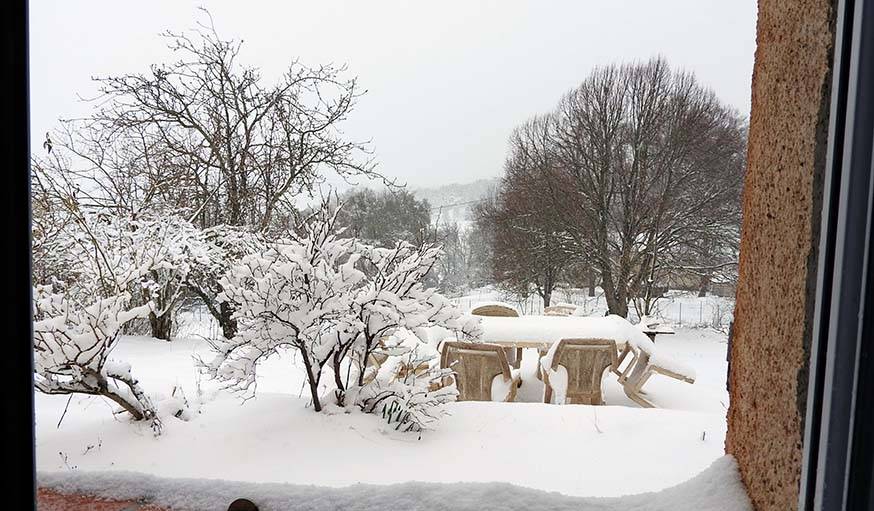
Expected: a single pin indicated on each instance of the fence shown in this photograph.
(676, 308)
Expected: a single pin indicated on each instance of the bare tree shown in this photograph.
(639, 166)
(246, 147)
(466, 259)
(206, 137)
(530, 249)
(385, 217)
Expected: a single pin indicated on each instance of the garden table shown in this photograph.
(541, 332)
(652, 332)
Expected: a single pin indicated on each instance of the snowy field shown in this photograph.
(608, 451)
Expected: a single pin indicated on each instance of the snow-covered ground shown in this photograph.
(577, 450)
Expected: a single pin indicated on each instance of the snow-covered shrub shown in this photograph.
(391, 305)
(72, 343)
(298, 294)
(101, 254)
(116, 270)
(338, 301)
(409, 388)
(393, 296)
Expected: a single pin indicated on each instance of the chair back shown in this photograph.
(585, 361)
(495, 310)
(559, 310)
(637, 367)
(475, 366)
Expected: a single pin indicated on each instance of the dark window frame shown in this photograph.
(838, 452)
(838, 462)
(16, 364)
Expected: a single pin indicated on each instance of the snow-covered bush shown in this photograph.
(72, 343)
(391, 305)
(409, 388)
(337, 302)
(116, 270)
(393, 296)
(102, 254)
(296, 294)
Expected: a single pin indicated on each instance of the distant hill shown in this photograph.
(454, 202)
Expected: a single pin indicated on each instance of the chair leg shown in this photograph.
(539, 373)
(619, 361)
(511, 396)
(633, 392)
(637, 398)
(510, 352)
(547, 393)
(623, 376)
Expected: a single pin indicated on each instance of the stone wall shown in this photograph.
(781, 207)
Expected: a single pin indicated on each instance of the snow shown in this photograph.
(717, 488)
(501, 386)
(550, 329)
(653, 324)
(578, 450)
(558, 382)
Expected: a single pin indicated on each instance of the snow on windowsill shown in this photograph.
(717, 488)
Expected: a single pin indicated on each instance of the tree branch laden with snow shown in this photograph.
(72, 344)
(337, 302)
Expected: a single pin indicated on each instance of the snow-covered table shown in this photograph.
(652, 327)
(541, 332)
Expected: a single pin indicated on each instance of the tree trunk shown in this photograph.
(338, 381)
(222, 313)
(704, 286)
(592, 282)
(617, 301)
(228, 324)
(161, 325)
(312, 379)
(621, 302)
(122, 402)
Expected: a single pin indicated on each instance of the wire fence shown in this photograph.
(678, 308)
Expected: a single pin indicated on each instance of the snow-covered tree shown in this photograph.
(175, 245)
(385, 217)
(338, 302)
(296, 294)
(103, 254)
(223, 246)
(115, 270)
(72, 344)
(396, 312)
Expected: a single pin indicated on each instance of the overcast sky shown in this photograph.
(447, 81)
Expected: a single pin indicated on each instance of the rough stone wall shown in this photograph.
(781, 207)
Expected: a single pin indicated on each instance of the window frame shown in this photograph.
(837, 455)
